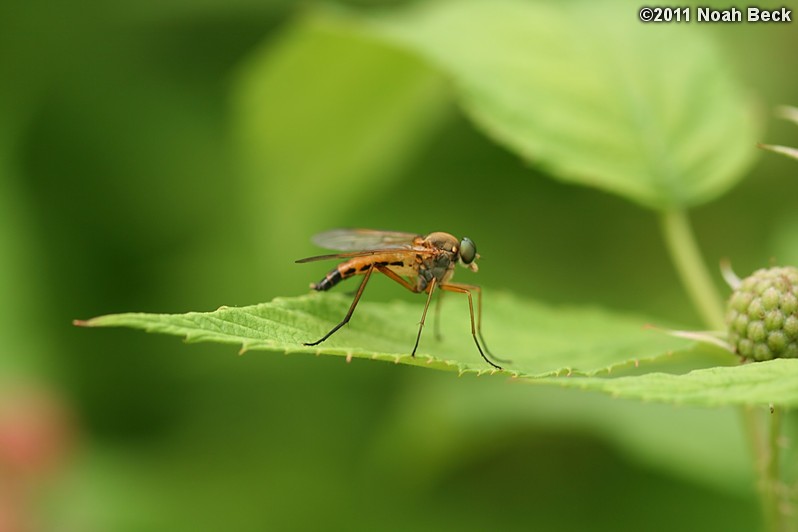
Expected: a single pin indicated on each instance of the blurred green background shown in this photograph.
(174, 156)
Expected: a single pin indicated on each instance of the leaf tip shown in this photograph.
(783, 150)
(83, 323)
(728, 274)
(787, 112)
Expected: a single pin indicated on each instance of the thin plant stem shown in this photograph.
(696, 279)
(776, 505)
(692, 271)
(766, 452)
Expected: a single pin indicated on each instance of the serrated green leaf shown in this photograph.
(649, 112)
(541, 340)
(562, 346)
(759, 383)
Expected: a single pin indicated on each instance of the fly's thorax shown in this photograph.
(439, 266)
(442, 241)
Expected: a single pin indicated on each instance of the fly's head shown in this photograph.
(463, 251)
(467, 254)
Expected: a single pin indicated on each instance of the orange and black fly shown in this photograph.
(418, 263)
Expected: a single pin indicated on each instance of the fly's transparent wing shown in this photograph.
(411, 250)
(363, 239)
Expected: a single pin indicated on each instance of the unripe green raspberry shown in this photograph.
(762, 315)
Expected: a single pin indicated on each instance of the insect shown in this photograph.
(418, 263)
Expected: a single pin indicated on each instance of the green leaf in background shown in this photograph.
(707, 448)
(24, 351)
(555, 340)
(649, 112)
(759, 383)
(324, 117)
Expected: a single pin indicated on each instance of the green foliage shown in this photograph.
(541, 340)
(774, 382)
(648, 112)
(174, 155)
(570, 343)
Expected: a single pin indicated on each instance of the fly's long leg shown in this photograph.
(351, 308)
(396, 277)
(479, 326)
(438, 335)
(466, 289)
(431, 289)
(478, 290)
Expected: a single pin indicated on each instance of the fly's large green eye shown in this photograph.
(468, 251)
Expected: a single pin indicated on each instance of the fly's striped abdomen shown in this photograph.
(330, 280)
(358, 266)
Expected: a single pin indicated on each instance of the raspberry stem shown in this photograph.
(686, 256)
(775, 503)
(695, 277)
